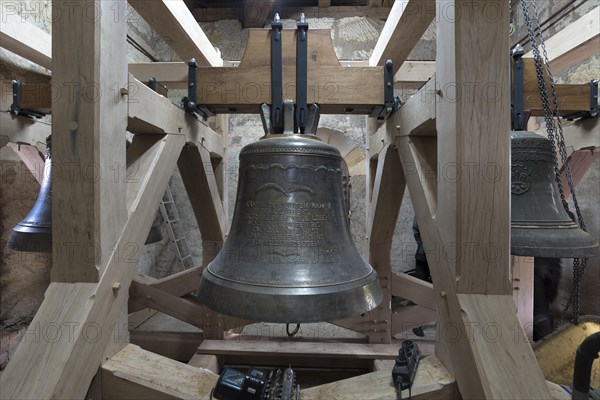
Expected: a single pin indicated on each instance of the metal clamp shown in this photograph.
(190, 103)
(276, 75)
(391, 103)
(520, 116)
(15, 107)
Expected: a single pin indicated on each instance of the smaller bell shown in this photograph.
(540, 226)
(154, 235)
(34, 232)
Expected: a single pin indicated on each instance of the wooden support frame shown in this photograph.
(64, 368)
(35, 45)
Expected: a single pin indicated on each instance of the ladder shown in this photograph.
(175, 230)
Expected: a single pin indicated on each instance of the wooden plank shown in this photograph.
(151, 113)
(134, 373)
(574, 34)
(25, 39)
(88, 203)
(178, 346)
(174, 22)
(580, 162)
(388, 190)
(313, 350)
(416, 290)
(64, 366)
(576, 55)
(145, 296)
(20, 129)
(407, 22)
(32, 158)
(432, 381)
(137, 318)
(199, 181)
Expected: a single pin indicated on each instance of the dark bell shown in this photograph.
(34, 232)
(540, 226)
(154, 235)
(289, 256)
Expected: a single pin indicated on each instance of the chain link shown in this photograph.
(555, 134)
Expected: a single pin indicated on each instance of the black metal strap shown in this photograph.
(276, 76)
(190, 103)
(15, 107)
(301, 73)
(520, 116)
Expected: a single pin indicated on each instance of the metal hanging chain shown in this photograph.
(555, 134)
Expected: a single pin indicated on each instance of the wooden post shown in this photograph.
(89, 118)
(388, 189)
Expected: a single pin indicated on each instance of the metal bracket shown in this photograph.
(391, 103)
(520, 116)
(594, 108)
(190, 104)
(301, 73)
(15, 107)
(157, 87)
(276, 76)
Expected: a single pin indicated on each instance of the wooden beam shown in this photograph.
(293, 12)
(151, 113)
(134, 373)
(407, 22)
(388, 190)
(522, 280)
(580, 162)
(416, 290)
(205, 361)
(180, 283)
(30, 155)
(20, 129)
(313, 350)
(432, 381)
(200, 184)
(473, 210)
(573, 35)
(415, 117)
(23, 38)
(256, 13)
(88, 138)
(36, 97)
(180, 346)
(145, 296)
(572, 98)
(408, 317)
(77, 321)
(174, 22)
(415, 71)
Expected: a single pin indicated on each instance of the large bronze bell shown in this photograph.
(540, 226)
(289, 256)
(34, 232)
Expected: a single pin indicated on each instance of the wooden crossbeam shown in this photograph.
(175, 24)
(22, 129)
(151, 113)
(24, 38)
(407, 22)
(256, 12)
(416, 290)
(211, 14)
(388, 190)
(63, 365)
(573, 35)
(32, 158)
